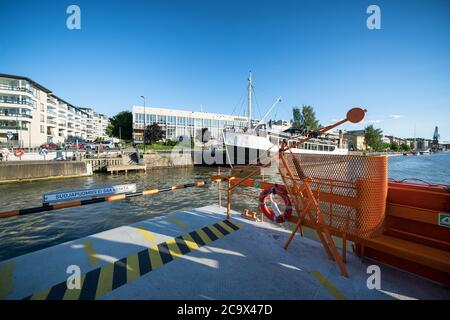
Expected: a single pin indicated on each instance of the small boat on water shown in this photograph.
(425, 152)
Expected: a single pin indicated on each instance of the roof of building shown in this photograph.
(41, 87)
(355, 132)
(11, 76)
(180, 112)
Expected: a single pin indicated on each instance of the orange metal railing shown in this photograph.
(350, 190)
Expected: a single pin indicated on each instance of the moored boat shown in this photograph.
(254, 143)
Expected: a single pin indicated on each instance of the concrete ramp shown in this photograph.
(197, 254)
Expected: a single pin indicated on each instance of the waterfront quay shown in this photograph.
(19, 171)
(76, 164)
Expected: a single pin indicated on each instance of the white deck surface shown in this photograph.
(249, 263)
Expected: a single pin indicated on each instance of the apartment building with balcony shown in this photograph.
(30, 115)
(96, 124)
(177, 123)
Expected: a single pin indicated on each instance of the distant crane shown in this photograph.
(436, 136)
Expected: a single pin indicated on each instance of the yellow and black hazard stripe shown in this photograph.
(97, 282)
(57, 206)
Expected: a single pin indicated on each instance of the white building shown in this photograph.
(31, 115)
(177, 123)
(96, 124)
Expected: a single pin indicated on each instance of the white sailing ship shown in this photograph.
(262, 139)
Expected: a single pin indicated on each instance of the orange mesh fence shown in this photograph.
(350, 190)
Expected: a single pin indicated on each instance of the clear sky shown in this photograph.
(184, 54)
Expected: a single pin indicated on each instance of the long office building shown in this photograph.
(31, 115)
(178, 123)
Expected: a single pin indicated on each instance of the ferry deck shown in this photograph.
(195, 254)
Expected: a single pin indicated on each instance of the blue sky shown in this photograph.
(184, 54)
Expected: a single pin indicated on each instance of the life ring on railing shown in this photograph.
(19, 152)
(272, 211)
(43, 151)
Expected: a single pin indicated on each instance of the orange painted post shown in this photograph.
(344, 247)
(320, 226)
(335, 253)
(291, 236)
(299, 190)
(218, 187)
(229, 199)
(298, 226)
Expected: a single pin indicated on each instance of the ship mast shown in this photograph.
(415, 143)
(249, 102)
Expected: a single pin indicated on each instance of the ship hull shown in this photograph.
(244, 149)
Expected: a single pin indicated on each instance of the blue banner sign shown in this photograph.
(87, 193)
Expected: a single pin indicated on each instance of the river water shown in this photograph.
(20, 235)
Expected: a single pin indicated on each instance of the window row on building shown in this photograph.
(31, 115)
(178, 123)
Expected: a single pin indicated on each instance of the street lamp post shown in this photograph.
(17, 129)
(143, 97)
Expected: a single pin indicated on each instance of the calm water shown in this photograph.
(434, 168)
(36, 231)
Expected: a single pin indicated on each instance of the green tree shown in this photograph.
(372, 138)
(153, 133)
(405, 147)
(306, 119)
(296, 116)
(121, 126)
(394, 146)
(385, 146)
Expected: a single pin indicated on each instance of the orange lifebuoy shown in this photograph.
(19, 152)
(268, 212)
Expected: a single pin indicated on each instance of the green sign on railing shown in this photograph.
(444, 220)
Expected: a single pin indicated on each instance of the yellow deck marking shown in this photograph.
(215, 231)
(155, 258)
(146, 234)
(173, 248)
(105, 279)
(133, 270)
(327, 285)
(6, 274)
(204, 236)
(90, 252)
(225, 226)
(74, 294)
(190, 242)
(41, 295)
(179, 223)
(98, 286)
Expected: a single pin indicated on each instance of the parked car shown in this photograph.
(108, 145)
(50, 146)
(90, 146)
(73, 145)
